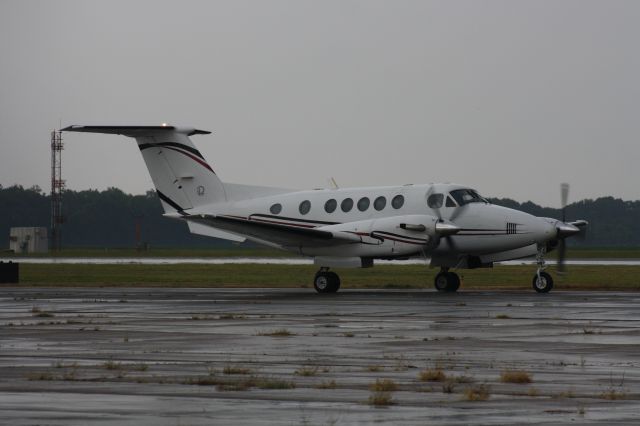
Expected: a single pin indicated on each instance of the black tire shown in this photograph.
(544, 284)
(322, 282)
(334, 282)
(454, 282)
(447, 282)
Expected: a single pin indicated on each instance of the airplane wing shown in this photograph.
(283, 235)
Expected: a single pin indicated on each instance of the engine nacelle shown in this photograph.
(409, 229)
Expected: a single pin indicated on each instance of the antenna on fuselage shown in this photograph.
(332, 183)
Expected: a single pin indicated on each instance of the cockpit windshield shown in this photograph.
(466, 196)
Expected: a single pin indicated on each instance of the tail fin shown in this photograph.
(181, 175)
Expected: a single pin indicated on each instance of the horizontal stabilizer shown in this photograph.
(134, 131)
(208, 231)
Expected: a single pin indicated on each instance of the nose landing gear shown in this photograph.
(446, 281)
(326, 281)
(542, 281)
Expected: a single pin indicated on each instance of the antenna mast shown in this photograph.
(57, 186)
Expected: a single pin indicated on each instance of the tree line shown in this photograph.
(112, 218)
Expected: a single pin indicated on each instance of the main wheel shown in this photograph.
(321, 282)
(334, 282)
(326, 282)
(542, 284)
(447, 282)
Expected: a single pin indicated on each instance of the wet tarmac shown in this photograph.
(76, 356)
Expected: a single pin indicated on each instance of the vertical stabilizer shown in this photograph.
(181, 175)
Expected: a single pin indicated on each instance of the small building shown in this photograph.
(28, 240)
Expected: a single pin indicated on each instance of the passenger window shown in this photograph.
(276, 208)
(380, 203)
(305, 206)
(397, 201)
(450, 202)
(363, 204)
(435, 201)
(346, 205)
(330, 206)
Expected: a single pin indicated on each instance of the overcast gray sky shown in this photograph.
(510, 97)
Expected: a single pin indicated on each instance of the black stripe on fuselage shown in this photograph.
(292, 219)
(192, 150)
(406, 237)
(171, 203)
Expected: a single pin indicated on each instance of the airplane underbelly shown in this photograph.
(478, 244)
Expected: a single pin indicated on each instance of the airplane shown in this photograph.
(451, 224)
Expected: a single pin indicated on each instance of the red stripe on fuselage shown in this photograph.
(193, 157)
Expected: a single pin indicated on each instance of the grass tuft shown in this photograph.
(515, 376)
(281, 332)
(236, 369)
(232, 317)
(432, 375)
(612, 394)
(383, 385)
(331, 384)
(306, 371)
(112, 365)
(42, 375)
(381, 399)
(477, 393)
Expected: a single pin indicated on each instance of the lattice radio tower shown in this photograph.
(57, 186)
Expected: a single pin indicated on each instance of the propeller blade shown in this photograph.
(564, 194)
(564, 197)
(458, 210)
(562, 252)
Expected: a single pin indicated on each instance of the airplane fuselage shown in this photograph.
(375, 214)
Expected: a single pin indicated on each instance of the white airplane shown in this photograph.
(346, 227)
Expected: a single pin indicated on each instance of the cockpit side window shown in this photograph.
(435, 201)
(466, 196)
(450, 202)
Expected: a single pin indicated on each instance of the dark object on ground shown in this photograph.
(9, 272)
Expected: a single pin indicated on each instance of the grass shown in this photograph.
(239, 384)
(613, 394)
(477, 393)
(281, 332)
(112, 365)
(432, 375)
(101, 252)
(383, 385)
(515, 376)
(236, 369)
(306, 371)
(381, 399)
(291, 276)
(43, 375)
(330, 384)
(232, 317)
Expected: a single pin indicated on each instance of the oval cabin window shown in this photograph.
(305, 206)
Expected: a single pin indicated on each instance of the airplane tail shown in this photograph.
(182, 177)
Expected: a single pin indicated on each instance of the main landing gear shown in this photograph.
(542, 282)
(326, 281)
(446, 281)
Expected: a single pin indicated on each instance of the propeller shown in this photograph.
(444, 229)
(567, 229)
(562, 246)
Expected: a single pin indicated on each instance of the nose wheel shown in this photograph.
(542, 281)
(326, 281)
(447, 282)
